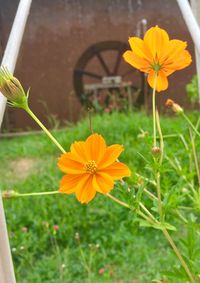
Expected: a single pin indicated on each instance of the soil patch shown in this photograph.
(22, 167)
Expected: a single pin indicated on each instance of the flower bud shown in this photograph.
(156, 151)
(9, 194)
(174, 106)
(12, 89)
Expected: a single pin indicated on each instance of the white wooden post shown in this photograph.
(9, 60)
(195, 4)
(194, 30)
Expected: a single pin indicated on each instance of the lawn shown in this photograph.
(43, 229)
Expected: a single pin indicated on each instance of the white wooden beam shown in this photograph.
(193, 28)
(195, 4)
(9, 60)
(191, 22)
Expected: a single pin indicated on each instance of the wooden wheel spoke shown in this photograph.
(93, 75)
(99, 60)
(117, 63)
(105, 67)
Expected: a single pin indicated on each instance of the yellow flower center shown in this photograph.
(91, 167)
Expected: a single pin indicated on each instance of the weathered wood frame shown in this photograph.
(7, 274)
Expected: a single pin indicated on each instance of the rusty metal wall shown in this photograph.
(58, 32)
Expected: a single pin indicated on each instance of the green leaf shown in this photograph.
(159, 226)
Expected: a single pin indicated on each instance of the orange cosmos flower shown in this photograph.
(91, 167)
(157, 54)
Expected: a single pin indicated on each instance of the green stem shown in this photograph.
(161, 138)
(118, 201)
(190, 123)
(150, 220)
(174, 247)
(151, 196)
(159, 195)
(28, 110)
(195, 157)
(147, 211)
(33, 194)
(165, 232)
(181, 216)
(160, 164)
(154, 109)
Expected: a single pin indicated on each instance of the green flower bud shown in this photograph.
(12, 89)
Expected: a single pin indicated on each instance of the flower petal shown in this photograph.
(172, 49)
(156, 39)
(181, 61)
(117, 170)
(137, 62)
(69, 182)
(95, 147)
(139, 48)
(85, 190)
(111, 154)
(67, 164)
(103, 183)
(162, 82)
(78, 151)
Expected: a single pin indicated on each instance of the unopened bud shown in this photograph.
(156, 151)
(174, 106)
(12, 89)
(9, 194)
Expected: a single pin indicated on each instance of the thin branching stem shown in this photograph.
(147, 211)
(28, 110)
(165, 232)
(174, 247)
(148, 219)
(195, 156)
(8, 195)
(190, 123)
(152, 196)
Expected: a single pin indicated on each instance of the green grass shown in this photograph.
(126, 252)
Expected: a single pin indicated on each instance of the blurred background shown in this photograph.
(71, 57)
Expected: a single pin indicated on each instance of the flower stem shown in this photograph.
(195, 156)
(118, 201)
(190, 123)
(154, 110)
(151, 196)
(28, 110)
(156, 121)
(15, 194)
(150, 220)
(159, 195)
(160, 137)
(147, 211)
(174, 247)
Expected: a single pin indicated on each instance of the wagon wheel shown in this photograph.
(103, 61)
